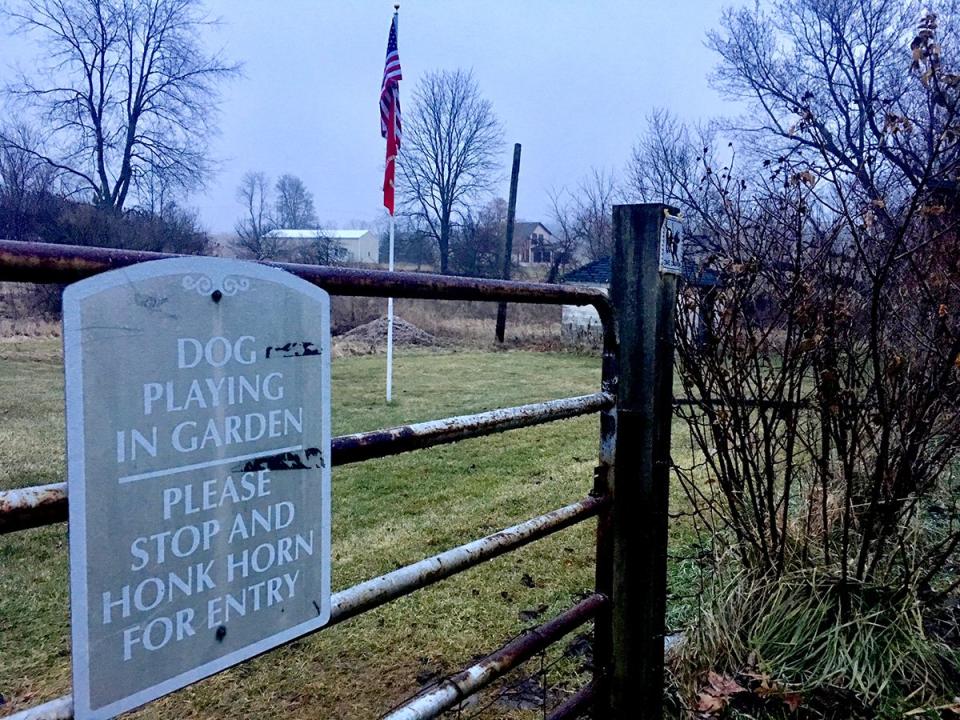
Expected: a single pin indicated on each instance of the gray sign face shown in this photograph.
(198, 444)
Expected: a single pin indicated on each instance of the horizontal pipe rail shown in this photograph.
(30, 507)
(376, 592)
(46, 263)
(392, 441)
(452, 690)
(60, 708)
(403, 581)
(24, 508)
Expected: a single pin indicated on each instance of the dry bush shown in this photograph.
(826, 363)
(28, 309)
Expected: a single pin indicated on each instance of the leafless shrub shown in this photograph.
(826, 363)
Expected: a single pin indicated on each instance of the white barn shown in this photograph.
(359, 246)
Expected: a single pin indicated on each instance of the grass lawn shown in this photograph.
(386, 513)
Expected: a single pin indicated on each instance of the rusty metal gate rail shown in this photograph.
(31, 507)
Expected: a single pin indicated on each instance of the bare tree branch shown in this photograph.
(126, 91)
(254, 227)
(449, 152)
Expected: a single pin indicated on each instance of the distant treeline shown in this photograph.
(45, 217)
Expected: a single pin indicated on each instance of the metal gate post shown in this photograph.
(644, 300)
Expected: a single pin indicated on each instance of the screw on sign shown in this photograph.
(198, 443)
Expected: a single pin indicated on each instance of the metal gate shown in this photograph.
(629, 488)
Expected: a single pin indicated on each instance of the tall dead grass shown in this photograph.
(470, 324)
(19, 315)
(16, 329)
(459, 323)
(789, 632)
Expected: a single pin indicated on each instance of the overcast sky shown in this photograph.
(571, 81)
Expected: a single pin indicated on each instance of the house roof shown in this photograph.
(526, 229)
(309, 234)
(598, 273)
(595, 273)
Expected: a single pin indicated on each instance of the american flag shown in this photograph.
(390, 124)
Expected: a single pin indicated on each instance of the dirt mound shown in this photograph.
(371, 337)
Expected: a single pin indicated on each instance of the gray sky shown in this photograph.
(571, 81)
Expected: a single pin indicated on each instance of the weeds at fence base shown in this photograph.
(779, 647)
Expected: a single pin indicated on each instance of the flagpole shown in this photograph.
(390, 325)
(392, 130)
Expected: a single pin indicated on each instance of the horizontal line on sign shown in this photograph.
(208, 463)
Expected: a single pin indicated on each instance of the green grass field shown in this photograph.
(386, 513)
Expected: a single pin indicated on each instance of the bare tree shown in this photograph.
(255, 225)
(669, 161)
(597, 194)
(125, 90)
(25, 184)
(674, 164)
(831, 84)
(413, 243)
(294, 206)
(475, 246)
(584, 216)
(563, 210)
(322, 248)
(660, 168)
(448, 156)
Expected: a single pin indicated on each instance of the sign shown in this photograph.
(198, 446)
(671, 244)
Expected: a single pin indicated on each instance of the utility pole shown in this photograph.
(507, 247)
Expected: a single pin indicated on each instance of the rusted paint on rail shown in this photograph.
(46, 263)
(391, 441)
(452, 690)
(46, 504)
(403, 581)
(28, 507)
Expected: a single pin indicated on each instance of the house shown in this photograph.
(534, 244)
(580, 325)
(354, 246)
